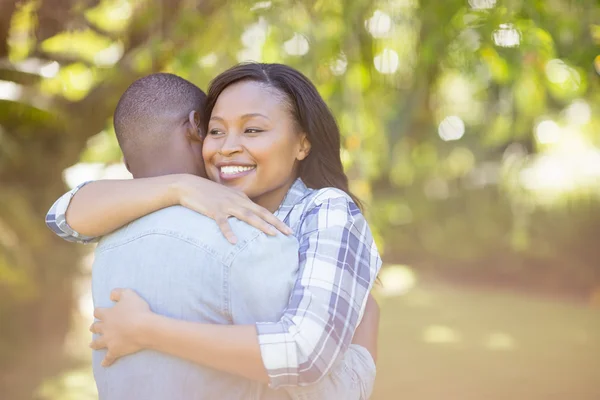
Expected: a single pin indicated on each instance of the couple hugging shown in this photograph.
(192, 304)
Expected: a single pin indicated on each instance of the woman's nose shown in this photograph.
(231, 145)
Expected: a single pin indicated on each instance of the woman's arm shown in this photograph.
(130, 326)
(101, 207)
(338, 265)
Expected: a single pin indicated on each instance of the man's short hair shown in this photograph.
(151, 108)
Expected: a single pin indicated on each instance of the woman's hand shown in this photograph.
(120, 327)
(220, 202)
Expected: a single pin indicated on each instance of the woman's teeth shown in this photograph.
(234, 169)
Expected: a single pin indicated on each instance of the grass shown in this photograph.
(448, 343)
(441, 342)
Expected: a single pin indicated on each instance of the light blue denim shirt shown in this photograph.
(180, 263)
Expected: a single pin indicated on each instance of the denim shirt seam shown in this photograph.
(229, 259)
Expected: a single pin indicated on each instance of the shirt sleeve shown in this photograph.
(56, 218)
(338, 264)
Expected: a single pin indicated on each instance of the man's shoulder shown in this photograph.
(184, 225)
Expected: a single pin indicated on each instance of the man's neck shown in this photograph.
(158, 170)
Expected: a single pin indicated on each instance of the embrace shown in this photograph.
(236, 264)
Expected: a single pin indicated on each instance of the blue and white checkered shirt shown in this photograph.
(338, 264)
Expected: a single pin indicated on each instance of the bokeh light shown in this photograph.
(297, 45)
(387, 61)
(507, 36)
(547, 131)
(379, 25)
(451, 128)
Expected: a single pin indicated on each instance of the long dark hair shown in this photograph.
(323, 166)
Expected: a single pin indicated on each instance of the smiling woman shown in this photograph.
(252, 143)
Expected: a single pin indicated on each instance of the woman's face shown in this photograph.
(252, 144)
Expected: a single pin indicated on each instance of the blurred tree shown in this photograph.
(440, 105)
(63, 65)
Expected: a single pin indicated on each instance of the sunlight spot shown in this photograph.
(451, 128)
(387, 62)
(570, 164)
(261, 5)
(10, 90)
(209, 60)
(82, 172)
(499, 341)
(557, 71)
(120, 11)
(78, 78)
(297, 45)
(116, 171)
(547, 132)
(85, 304)
(339, 65)
(50, 70)
(396, 280)
(256, 34)
(379, 25)
(440, 334)
(507, 36)
(482, 4)
(578, 113)
(109, 56)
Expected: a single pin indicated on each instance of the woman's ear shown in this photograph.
(304, 149)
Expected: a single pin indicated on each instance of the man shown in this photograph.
(184, 267)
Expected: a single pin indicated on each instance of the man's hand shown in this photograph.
(120, 326)
(220, 202)
(368, 329)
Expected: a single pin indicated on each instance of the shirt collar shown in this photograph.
(294, 195)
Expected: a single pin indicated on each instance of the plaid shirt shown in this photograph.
(338, 264)
(56, 219)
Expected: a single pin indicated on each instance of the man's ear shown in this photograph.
(194, 130)
(304, 149)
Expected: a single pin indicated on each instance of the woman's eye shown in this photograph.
(253, 130)
(215, 131)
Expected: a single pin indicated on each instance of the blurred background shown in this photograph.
(471, 128)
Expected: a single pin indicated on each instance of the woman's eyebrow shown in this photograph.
(252, 115)
(245, 116)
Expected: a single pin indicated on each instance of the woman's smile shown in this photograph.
(231, 171)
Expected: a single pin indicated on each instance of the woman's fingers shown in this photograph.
(99, 313)
(96, 327)
(98, 343)
(267, 216)
(223, 222)
(251, 218)
(109, 360)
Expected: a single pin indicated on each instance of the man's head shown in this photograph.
(157, 123)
